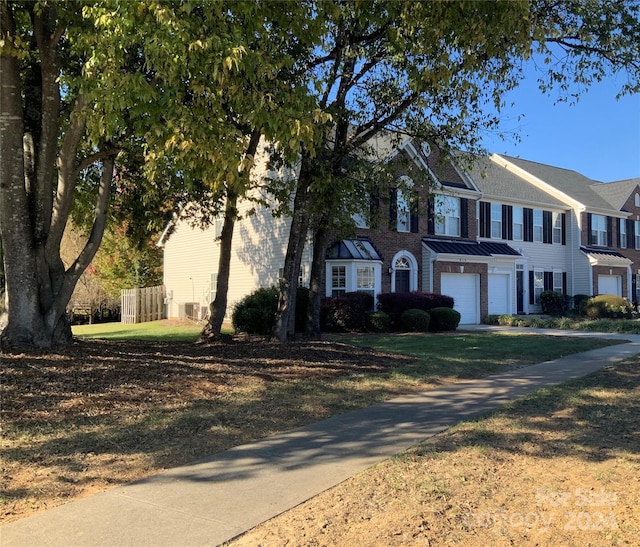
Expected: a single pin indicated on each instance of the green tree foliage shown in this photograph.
(436, 71)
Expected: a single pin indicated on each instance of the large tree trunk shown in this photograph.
(285, 317)
(218, 308)
(31, 221)
(316, 283)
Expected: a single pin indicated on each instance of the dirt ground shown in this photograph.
(101, 413)
(561, 471)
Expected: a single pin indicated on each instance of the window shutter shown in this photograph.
(374, 208)
(631, 234)
(532, 296)
(430, 218)
(507, 222)
(618, 224)
(464, 217)
(547, 227)
(589, 235)
(564, 228)
(548, 281)
(634, 288)
(564, 282)
(485, 219)
(393, 209)
(609, 231)
(413, 214)
(527, 219)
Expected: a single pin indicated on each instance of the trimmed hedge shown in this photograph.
(415, 320)
(395, 304)
(553, 303)
(443, 319)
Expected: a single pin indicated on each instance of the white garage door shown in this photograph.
(610, 284)
(465, 290)
(499, 294)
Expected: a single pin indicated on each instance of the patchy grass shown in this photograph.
(103, 412)
(558, 467)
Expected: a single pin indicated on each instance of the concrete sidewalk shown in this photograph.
(216, 499)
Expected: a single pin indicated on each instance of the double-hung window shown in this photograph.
(538, 285)
(637, 234)
(623, 233)
(557, 282)
(338, 281)
(366, 280)
(538, 224)
(447, 215)
(599, 230)
(496, 221)
(557, 227)
(518, 224)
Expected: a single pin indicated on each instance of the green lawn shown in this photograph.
(153, 330)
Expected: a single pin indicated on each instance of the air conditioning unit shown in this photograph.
(189, 310)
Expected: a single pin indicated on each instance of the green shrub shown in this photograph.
(378, 321)
(256, 312)
(579, 301)
(396, 303)
(608, 306)
(553, 303)
(443, 319)
(345, 313)
(415, 321)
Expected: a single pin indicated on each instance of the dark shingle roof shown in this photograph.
(482, 248)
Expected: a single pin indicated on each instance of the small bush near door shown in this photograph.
(415, 321)
(443, 319)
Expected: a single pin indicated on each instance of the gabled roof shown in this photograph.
(353, 249)
(475, 248)
(575, 186)
(617, 193)
(496, 182)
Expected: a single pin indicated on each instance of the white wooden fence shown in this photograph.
(142, 305)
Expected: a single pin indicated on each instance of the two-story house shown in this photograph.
(599, 229)
(493, 236)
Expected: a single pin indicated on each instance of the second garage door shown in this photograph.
(465, 290)
(610, 284)
(499, 294)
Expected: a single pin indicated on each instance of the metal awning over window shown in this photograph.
(353, 249)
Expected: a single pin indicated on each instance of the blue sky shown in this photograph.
(598, 137)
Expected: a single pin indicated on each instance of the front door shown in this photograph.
(520, 290)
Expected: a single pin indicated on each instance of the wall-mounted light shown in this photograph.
(390, 271)
(461, 269)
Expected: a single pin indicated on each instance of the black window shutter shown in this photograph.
(430, 218)
(589, 235)
(548, 281)
(564, 228)
(464, 217)
(532, 296)
(374, 207)
(609, 231)
(564, 282)
(527, 214)
(634, 288)
(631, 234)
(507, 222)
(485, 219)
(393, 209)
(413, 214)
(547, 227)
(618, 241)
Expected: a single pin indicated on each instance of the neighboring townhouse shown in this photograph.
(597, 263)
(493, 237)
(533, 222)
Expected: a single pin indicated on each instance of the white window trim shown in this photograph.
(413, 277)
(351, 275)
(519, 237)
(443, 217)
(538, 213)
(600, 232)
(496, 217)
